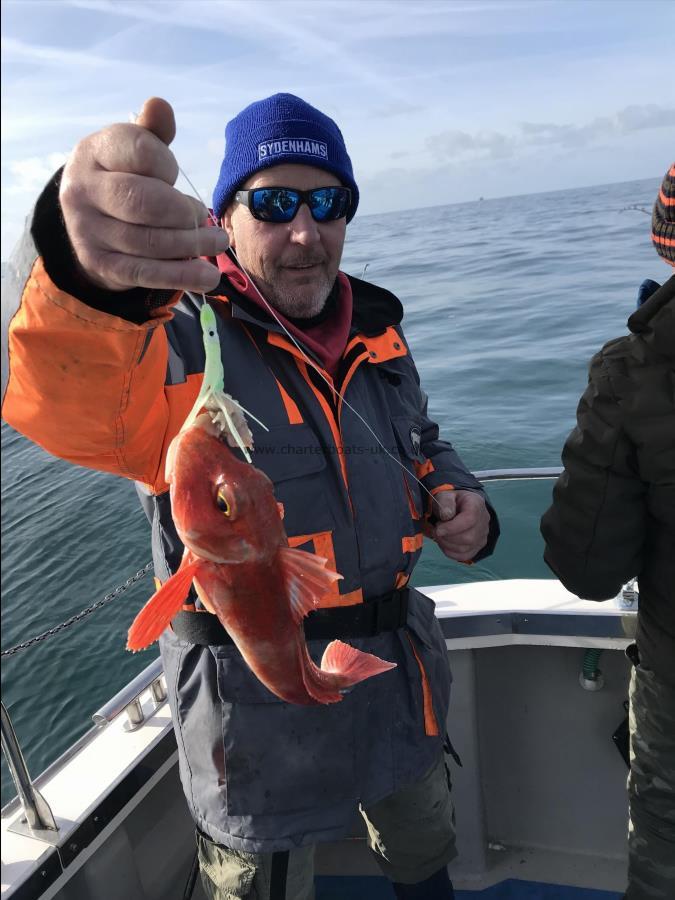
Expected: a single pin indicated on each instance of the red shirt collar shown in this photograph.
(326, 340)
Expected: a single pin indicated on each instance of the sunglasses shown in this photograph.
(281, 205)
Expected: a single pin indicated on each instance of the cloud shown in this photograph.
(453, 145)
(17, 51)
(29, 175)
(637, 118)
(285, 32)
(626, 121)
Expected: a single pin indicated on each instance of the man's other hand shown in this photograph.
(128, 225)
(463, 524)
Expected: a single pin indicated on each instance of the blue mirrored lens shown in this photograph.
(329, 203)
(275, 204)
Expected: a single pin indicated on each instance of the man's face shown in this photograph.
(294, 265)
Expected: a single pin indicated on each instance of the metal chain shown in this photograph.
(81, 615)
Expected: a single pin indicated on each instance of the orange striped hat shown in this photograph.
(663, 219)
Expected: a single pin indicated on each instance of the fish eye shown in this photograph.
(223, 503)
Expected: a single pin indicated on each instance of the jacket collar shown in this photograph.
(375, 308)
(654, 321)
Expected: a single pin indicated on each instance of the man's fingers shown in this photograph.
(120, 272)
(461, 538)
(157, 243)
(127, 148)
(454, 527)
(157, 116)
(138, 200)
(462, 546)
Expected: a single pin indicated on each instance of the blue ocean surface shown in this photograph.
(506, 301)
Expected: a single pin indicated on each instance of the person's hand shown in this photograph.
(128, 225)
(463, 523)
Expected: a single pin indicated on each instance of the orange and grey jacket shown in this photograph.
(109, 391)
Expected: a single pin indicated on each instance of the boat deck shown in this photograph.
(540, 801)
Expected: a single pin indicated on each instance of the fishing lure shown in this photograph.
(225, 412)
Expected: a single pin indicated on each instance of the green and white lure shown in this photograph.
(225, 412)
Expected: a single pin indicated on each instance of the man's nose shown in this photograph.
(304, 230)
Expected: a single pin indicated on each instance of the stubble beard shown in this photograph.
(296, 303)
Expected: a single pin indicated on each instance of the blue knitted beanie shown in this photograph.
(281, 129)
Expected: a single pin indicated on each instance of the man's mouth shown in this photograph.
(303, 265)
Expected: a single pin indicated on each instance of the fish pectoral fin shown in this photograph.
(306, 579)
(162, 607)
(170, 460)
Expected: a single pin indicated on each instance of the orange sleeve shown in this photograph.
(88, 386)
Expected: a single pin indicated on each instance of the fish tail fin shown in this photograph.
(161, 607)
(306, 578)
(342, 667)
(350, 665)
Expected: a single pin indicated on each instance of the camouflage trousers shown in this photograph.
(411, 835)
(651, 788)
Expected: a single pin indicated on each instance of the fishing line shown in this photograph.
(306, 358)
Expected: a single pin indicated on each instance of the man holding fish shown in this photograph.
(306, 679)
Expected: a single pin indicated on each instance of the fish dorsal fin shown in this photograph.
(306, 578)
(162, 606)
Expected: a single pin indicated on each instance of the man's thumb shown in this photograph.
(445, 506)
(157, 116)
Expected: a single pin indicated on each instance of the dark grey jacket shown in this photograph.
(613, 512)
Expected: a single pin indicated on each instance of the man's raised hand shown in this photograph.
(128, 225)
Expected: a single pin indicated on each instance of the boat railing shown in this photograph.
(518, 474)
(38, 817)
(128, 700)
(37, 812)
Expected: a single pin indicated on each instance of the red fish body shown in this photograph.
(237, 555)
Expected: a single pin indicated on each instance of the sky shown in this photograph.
(440, 101)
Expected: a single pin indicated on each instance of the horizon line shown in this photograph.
(579, 187)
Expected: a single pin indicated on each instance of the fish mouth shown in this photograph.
(241, 553)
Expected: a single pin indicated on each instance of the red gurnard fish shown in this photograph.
(237, 555)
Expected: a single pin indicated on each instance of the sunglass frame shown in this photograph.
(247, 198)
